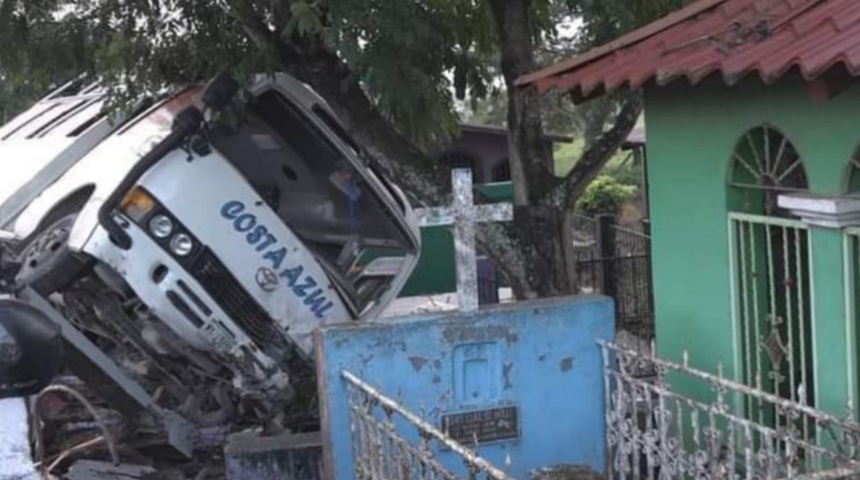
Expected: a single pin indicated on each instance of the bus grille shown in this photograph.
(233, 299)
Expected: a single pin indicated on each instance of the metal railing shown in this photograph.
(655, 432)
(389, 442)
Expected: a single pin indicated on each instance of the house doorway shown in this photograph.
(771, 282)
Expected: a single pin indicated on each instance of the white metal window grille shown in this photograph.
(771, 283)
(852, 173)
(851, 250)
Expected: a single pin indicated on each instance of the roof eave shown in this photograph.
(631, 38)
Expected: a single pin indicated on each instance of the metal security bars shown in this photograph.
(653, 432)
(851, 251)
(772, 311)
(389, 442)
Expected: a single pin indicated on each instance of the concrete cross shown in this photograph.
(463, 215)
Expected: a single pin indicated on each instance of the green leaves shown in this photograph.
(305, 19)
(411, 55)
(605, 195)
(605, 20)
(414, 57)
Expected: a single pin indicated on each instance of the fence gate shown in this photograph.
(390, 442)
(616, 261)
(655, 433)
(772, 309)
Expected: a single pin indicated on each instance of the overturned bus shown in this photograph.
(199, 240)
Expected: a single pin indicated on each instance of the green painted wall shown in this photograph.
(497, 192)
(435, 270)
(692, 131)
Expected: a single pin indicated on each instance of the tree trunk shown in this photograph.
(539, 232)
(538, 217)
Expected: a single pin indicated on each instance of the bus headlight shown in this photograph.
(161, 226)
(181, 244)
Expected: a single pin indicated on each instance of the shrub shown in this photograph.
(604, 196)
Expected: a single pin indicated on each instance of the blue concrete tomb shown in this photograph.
(523, 380)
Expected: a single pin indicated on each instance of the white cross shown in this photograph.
(463, 215)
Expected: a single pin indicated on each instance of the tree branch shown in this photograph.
(306, 58)
(598, 154)
(255, 27)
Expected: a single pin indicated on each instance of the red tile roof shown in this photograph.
(731, 38)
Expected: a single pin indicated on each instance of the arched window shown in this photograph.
(764, 164)
(770, 270)
(457, 158)
(852, 174)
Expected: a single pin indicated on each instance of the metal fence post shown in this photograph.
(646, 229)
(608, 253)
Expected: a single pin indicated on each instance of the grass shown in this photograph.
(566, 155)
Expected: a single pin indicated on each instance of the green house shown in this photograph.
(752, 110)
(435, 272)
(484, 150)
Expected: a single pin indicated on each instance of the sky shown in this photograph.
(568, 29)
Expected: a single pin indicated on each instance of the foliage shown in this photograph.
(605, 196)
(558, 114)
(409, 55)
(623, 169)
(13, 100)
(619, 166)
(604, 20)
(392, 70)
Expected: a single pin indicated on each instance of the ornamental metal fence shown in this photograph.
(708, 432)
(390, 442)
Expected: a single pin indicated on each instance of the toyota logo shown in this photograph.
(267, 279)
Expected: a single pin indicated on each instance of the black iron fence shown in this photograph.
(615, 260)
(611, 260)
(488, 282)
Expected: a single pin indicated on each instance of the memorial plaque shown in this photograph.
(489, 425)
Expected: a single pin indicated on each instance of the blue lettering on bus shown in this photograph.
(318, 302)
(231, 210)
(291, 275)
(259, 235)
(276, 257)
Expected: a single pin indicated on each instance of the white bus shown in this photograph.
(200, 240)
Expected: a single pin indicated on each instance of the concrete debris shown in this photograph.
(566, 472)
(93, 470)
(15, 456)
(424, 304)
(250, 456)
(407, 306)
